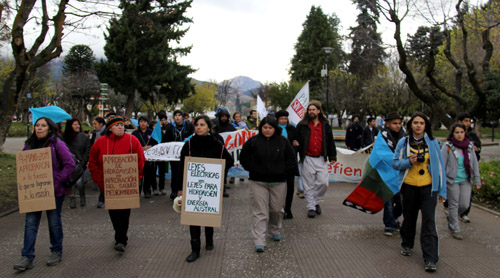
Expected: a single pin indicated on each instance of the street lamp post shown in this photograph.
(324, 72)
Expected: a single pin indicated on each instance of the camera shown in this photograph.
(420, 157)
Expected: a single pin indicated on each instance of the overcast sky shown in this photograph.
(254, 38)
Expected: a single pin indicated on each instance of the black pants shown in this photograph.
(414, 199)
(149, 177)
(290, 187)
(120, 219)
(161, 174)
(195, 232)
(174, 182)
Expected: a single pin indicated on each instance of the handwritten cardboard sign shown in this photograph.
(121, 181)
(35, 184)
(202, 190)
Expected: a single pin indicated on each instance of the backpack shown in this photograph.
(77, 173)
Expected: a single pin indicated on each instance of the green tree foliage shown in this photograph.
(200, 100)
(282, 94)
(79, 87)
(140, 52)
(319, 30)
(367, 51)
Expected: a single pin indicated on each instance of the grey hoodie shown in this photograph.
(450, 160)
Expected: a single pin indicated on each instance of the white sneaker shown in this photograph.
(157, 192)
(163, 192)
(465, 219)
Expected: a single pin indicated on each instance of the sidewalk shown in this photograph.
(342, 242)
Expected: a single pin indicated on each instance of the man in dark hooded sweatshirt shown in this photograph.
(222, 123)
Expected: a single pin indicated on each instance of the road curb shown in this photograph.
(8, 212)
(496, 213)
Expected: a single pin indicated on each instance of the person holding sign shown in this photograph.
(203, 144)
(114, 142)
(270, 159)
(46, 135)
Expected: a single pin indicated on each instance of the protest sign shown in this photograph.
(35, 184)
(202, 191)
(164, 152)
(121, 181)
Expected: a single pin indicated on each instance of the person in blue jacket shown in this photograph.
(422, 178)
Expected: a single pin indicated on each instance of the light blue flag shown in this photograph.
(157, 132)
(55, 113)
(135, 122)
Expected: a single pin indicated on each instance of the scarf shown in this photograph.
(283, 130)
(464, 146)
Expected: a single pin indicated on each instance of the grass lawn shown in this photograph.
(8, 182)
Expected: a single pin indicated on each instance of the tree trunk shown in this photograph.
(129, 107)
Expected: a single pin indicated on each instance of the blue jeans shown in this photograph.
(55, 229)
(392, 210)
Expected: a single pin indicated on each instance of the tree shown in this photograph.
(47, 19)
(319, 31)
(140, 52)
(367, 52)
(201, 100)
(282, 94)
(79, 86)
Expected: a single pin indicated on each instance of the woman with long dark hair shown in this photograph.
(115, 141)
(204, 143)
(45, 134)
(422, 178)
(462, 169)
(79, 145)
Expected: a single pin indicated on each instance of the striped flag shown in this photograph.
(379, 182)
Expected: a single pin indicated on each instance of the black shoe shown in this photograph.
(173, 196)
(288, 215)
(406, 251)
(72, 202)
(388, 232)
(209, 246)
(83, 202)
(227, 186)
(242, 179)
(231, 180)
(430, 266)
(192, 257)
(147, 195)
(24, 264)
(318, 209)
(311, 213)
(225, 195)
(54, 259)
(120, 247)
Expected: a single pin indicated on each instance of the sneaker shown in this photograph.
(288, 215)
(225, 194)
(318, 209)
(163, 192)
(311, 213)
(301, 194)
(173, 196)
(120, 247)
(24, 264)
(259, 248)
(458, 235)
(72, 202)
(430, 266)
(54, 259)
(242, 179)
(388, 232)
(406, 251)
(100, 205)
(147, 195)
(231, 180)
(156, 192)
(465, 219)
(397, 226)
(277, 237)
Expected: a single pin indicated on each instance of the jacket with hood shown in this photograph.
(450, 159)
(64, 164)
(269, 159)
(223, 126)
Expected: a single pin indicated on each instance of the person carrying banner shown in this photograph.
(422, 178)
(177, 131)
(314, 139)
(204, 144)
(391, 133)
(148, 182)
(288, 131)
(353, 134)
(45, 134)
(270, 159)
(115, 141)
(462, 169)
(79, 145)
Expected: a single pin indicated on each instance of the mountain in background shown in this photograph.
(244, 83)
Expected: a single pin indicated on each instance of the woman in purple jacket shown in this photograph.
(46, 135)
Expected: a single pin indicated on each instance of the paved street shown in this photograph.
(342, 242)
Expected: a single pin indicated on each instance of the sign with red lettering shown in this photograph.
(121, 181)
(35, 184)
